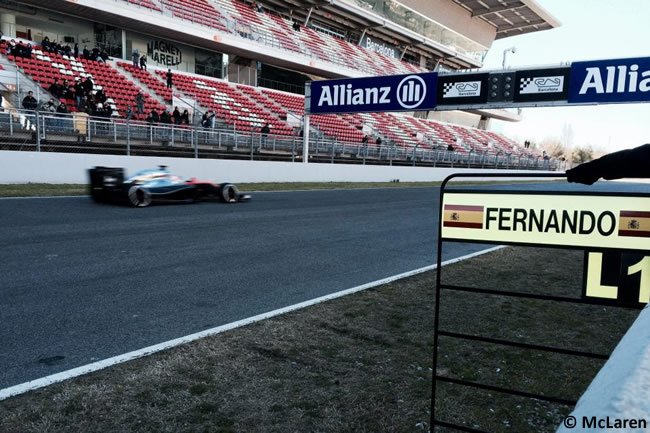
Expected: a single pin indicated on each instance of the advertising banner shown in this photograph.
(380, 46)
(462, 89)
(610, 81)
(388, 93)
(542, 85)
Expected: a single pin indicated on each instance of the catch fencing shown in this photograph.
(79, 133)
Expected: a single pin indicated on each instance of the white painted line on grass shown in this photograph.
(99, 365)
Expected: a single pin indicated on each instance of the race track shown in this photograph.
(80, 282)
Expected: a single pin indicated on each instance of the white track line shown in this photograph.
(99, 365)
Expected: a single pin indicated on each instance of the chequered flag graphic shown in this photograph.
(446, 87)
(525, 82)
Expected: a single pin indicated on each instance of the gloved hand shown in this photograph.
(584, 173)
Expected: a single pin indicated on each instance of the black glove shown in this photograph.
(630, 163)
(584, 173)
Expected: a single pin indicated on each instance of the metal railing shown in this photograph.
(79, 133)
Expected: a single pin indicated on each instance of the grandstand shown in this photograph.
(221, 51)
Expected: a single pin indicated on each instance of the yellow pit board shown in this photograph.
(618, 221)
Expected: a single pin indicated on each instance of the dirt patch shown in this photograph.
(356, 364)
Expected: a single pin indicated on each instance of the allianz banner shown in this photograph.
(610, 81)
(572, 220)
(388, 93)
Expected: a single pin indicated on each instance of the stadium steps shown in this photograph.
(230, 104)
(157, 89)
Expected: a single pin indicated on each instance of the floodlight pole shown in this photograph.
(305, 127)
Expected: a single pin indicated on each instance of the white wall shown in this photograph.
(46, 167)
(621, 390)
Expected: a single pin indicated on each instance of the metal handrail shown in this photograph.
(58, 128)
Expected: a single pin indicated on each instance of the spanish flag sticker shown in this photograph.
(634, 223)
(469, 217)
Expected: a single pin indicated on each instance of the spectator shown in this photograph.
(61, 111)
(260, 8)
(177, 116)
(79, 92)
(165, 118)
(75, 51)
(378, 141)
(68, 92)
(97, 109)
(45, 45)
(108, 111)
(27, 51)
(86, 52)
(86, 105)
(67, 50)
(129, 113)
(143, 62)
(14, 49)
(101, 96)
(153, 117)
(136, 57)
(48, 109)
(265, 133)
(170, 78)
(103, 55)
(29, 102)
(296, 26)
(95, 55)
(207, 120)
(545, 155)
(364, 140)
(185, 118)
(88, 86)
(139, 102)
(56, 89)
(450, 147)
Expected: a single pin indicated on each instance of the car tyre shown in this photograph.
(139, 197)
(229, 193)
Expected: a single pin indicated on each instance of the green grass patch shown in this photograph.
(48, 189)
(42, 189)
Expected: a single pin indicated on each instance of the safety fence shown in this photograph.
(80, 133)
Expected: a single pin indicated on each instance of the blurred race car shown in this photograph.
(108, 185)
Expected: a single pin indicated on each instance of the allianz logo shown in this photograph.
(410, 93)
(616, 79)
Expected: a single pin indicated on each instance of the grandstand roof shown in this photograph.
(511, 17)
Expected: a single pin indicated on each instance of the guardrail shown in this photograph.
(80, 133)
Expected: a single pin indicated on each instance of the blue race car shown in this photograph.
(108, 185)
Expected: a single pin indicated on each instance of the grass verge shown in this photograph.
(356, 364)
(47, 189)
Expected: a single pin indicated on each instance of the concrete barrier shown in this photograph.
(621, 389)
(47, 167)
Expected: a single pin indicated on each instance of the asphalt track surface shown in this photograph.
(81, 282)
